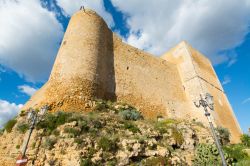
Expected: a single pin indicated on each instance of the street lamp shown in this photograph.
(208, 102)
(34, 116)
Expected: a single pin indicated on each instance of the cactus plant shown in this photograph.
(207, 154)
(132, 114)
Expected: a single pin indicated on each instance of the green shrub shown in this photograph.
(83, 125)
(101, 106)
(52, 121)
(1, 131)
(236, 152)
(177, 135)
(93, 132)
(104, 106)
(49, 143)
(244, 162)
(141, 139)
(113, 162)
(97, 124)
(79, 141)
(107, 144)
(9, 125)
(22, 113)
(73, 131)
(91, 152)
(56, 132)
(33, 145)
(131, 127)
(62, 117)
(132, 114)
(161, 127)
(155, 161)
(198, 123)
(86, 162)
(75, 117)
(17, 146)
(169, 121)
(206, 154)
(245, 139)
(224, 135)
(22, 127)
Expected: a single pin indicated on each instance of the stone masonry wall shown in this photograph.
(199, 77)
(150, 83)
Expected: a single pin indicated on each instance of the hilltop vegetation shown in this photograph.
(117, 134)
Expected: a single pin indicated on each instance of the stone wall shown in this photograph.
(199, 77)
(150, 83)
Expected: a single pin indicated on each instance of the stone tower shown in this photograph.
(82, 66)
(93, 62)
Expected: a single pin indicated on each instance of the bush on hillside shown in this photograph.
(130, 114)
(50, 142)
(131, 127)
(52, 121)
(86, 162)
(224, 135)
(155, 161)
(177, 135)
(245, 139)
(22, 127)
(9, 125)
(74, 132)
(206, 154)
(164, 125)
(1, 131)
(23, 113)
(236, 152)
(104, 106)
(107, 144)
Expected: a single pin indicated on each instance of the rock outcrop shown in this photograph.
(112, 134)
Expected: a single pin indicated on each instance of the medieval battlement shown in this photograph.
(93, 62)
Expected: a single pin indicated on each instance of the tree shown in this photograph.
(245, 139)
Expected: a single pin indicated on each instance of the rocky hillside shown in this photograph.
(112, 134)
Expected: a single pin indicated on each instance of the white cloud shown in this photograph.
(209, 26)
(226, 80)
(2, 70)
(29, 38)
(246, 100)
(232, 60)
(71, 6)
(8, 111)
(28, 90)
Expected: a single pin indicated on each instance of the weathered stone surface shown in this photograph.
(131, 147)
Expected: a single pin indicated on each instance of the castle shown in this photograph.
(93, 62)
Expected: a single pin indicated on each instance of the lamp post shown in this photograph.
(208, 102)
(33, 118)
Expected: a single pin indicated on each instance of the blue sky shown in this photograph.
(31, 32)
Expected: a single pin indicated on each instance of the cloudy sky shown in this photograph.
(31, 32)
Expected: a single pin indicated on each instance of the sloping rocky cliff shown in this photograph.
(112, 134)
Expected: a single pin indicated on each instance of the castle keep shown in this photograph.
(93, 62)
